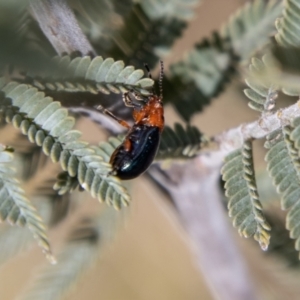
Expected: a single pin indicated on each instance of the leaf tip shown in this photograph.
(51, 258)
(264, 245)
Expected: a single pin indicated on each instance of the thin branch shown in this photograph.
(60, 26)
(196, 193)
(234, 138)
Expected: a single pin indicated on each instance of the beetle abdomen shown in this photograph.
(136, 153)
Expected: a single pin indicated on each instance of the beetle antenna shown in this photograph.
(161, 76)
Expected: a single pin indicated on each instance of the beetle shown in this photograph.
(139, 147)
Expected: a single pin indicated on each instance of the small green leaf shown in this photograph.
(244, 205)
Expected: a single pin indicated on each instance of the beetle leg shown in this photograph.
(110, 114)
(138, 96)
(128, 101)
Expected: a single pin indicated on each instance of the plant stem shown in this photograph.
(234, 138)
(195, 190)
(60, 26)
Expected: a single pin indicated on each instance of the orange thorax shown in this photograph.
(151, 114)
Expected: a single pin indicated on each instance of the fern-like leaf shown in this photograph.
(141, 38)
(179, 142)
(201, 76)
(281, 70)
(141, 31)
(65, 183)
(284, 70)
(49, 126)
(284, 168)
(93, 75)
(184, 96)
(209, 66)
(249, 28)
(244, 205)
(15, 208)
(15, 240)
(84, 247)
(261, 95)
(288, 26)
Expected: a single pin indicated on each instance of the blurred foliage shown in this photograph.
(262, 96)
(213, 62)
(127, 34)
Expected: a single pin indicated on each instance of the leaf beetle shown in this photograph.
(139, 147)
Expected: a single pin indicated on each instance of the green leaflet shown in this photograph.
(212, 63)
(48, 125)
(262, 95)
(283, 167)
(66, 184)
(141, 37)
(285, 66)
(244, 205)
(207, 65)
(179, 142)
(15, 208)
(15, 240)
(281, 71)
(249, 29)
(202, 75)
(91, 75)
(288, 25)
(206, 69)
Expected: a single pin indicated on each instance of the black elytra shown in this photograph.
(144, 141)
